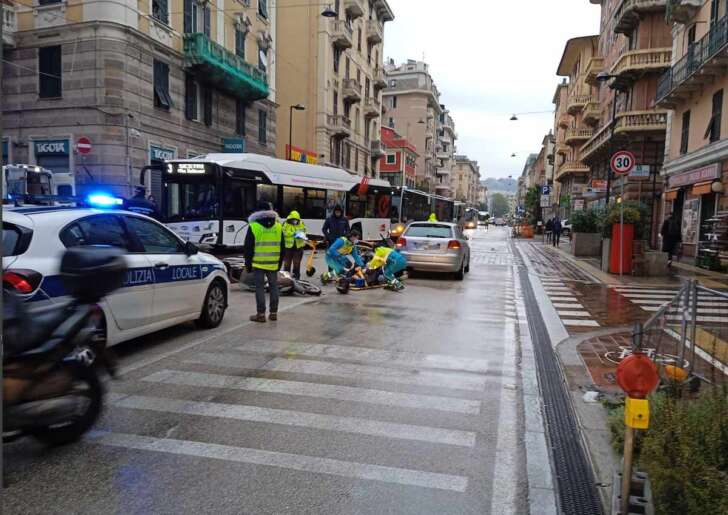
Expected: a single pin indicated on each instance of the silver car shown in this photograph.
(435, 247)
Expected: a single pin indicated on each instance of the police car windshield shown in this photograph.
(191, 199)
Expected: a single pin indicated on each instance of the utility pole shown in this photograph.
(2, 344)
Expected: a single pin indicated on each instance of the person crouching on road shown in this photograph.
(294, 233)
(263, 250)
(337, 255)
(393, 262)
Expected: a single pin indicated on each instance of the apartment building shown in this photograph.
(333, 67)
(445, 153)
(399, 164)
(145, 81)
(413, 109)
(696, 160)
(634, 48)
(561, 194)
(465, 180)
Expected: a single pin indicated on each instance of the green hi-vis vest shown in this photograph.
(267, 253)
(289, 231)
(347, 248)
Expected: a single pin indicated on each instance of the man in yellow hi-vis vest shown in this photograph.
(263, 250)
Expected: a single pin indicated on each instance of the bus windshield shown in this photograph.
(190, 198)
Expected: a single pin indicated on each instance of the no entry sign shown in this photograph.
(83, 145)
(623, 162)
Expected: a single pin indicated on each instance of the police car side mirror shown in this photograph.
(190, 248)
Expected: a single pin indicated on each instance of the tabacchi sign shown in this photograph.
(703, 174)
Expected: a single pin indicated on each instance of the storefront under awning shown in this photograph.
(671, 195)
(702, 188)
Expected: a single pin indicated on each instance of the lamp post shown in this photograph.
(604, 77)
(297, 107)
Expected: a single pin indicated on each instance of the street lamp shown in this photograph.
(329, 12)
(297, 107)
(515, 116)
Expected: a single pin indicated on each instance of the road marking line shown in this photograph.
(323, 391)
(351, 353)
(723, 319)
(349, 371)
(667, 296)
(563, 299)
(580, 323)
(284, 460)
(296, 419)
(556, 288)
(660, 302)
(559, 305)
(643, 290)
(574, 313)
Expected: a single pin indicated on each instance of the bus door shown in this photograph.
(239, 199)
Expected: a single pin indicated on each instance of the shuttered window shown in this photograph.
(240, 43)
(162, 98)
(263, 8)
(207, 106)
(262, 127)
(240, 117)
(50, 82)
(160, 11)
(685, 132)
(190, 97)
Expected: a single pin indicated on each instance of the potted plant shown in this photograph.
(585, 237)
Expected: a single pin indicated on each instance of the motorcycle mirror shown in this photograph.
(191, 249)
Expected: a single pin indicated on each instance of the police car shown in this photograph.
(168, 281)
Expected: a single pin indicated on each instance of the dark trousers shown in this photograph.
(292, 261)
(557, 237)
(260, 277)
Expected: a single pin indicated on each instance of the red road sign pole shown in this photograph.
(622, 163)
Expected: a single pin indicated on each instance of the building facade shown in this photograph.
(445, 153)
(466, 180)
(399, 164)
(413, 109)
(145, 81)
(334, 68)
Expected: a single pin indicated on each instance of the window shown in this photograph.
(713, 130)
(240, 43)
(160, 10)
(391, 159)
(315, 204)
(268, 193)
(192, 98)
(367, 88)
(356, 160)
(154, 238)
(196, 17)
(394, 102)
(391, 122)
(685, 132)
(392, 83)
(161, 85)
(337, 59)
(336, 103)
(48, 2)
(192, 199)
(262, 59)
(240, 117)
(714, 5)
(262, 127)
(49, 72)
(347, 70)
(96, 230)
(691, 35)
(367, 130)
(358, 37)
(292, 200)
(263, 8)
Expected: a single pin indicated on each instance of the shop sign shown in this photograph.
(706, 173)
(578, 204)
(55, 147)
(301, 155)
(233, 145)
(545, 200)
(577, 189)
(161, 154)
(599, 185)
(640, 171)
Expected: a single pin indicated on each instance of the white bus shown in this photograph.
(208, 199)
(31, 183)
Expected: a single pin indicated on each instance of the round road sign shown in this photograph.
(83, 145)
(623, 162)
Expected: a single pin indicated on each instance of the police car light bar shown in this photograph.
(102, 200)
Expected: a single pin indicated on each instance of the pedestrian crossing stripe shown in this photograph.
(580, 323)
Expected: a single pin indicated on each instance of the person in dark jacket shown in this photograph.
(671, 236)
(549, 230)
(557, 228)
(263, 250)
(336, 226)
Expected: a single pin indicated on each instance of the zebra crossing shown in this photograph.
(711, 308)
(570, 310)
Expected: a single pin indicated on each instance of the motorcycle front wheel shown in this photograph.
(88, 387)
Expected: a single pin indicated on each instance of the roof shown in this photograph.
(61, 215)
(571, 53)
(289, 173)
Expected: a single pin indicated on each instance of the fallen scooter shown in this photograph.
(287, 284)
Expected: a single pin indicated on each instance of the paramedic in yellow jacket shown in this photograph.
(294, 234)
(433, 218)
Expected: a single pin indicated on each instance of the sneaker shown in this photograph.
(257, 318)
(273, 317)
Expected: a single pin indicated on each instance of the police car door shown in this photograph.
(178, 285)
(130, 305)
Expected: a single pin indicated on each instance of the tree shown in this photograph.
(499, 205)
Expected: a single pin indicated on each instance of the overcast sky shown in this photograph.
(490, 59)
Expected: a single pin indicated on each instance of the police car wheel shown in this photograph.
(213, 308)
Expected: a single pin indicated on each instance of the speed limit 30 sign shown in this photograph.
(623, 162)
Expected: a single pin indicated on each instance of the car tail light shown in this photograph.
(401, 242)
(22, 281)
(453, 245)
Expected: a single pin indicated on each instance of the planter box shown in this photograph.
(606, 249)
(586, 244)
(656, 263)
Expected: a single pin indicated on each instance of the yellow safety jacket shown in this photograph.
(267, 253)
(290, 230)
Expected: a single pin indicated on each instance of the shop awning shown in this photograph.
(671, 195)
(702, 188)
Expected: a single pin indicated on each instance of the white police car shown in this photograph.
(168, 281)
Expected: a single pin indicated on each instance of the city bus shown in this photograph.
(208, 199)
(410, 205)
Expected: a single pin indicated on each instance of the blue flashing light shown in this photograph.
(103, 200)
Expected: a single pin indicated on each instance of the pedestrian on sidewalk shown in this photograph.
(263, 251)
(557, 227)
(671, 236)
(294, 234)
(549, 230)
(336, 226)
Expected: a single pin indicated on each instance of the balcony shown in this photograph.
(443, 190)
(594, 67)
(562, 148)
(627, 15)
(442, 172)
(633, 64)
(577, 136)
(592, 113)
(375, 32)
(627, 126)
(564, 120)
(571, 167)
(342, 34)
(443, 155)
(223, 69)
(339, 125)
(372, 108)
(354, 8)
(10, 24)
(379, 79)
(351, 91)
(684, 10)
(704, 61)
(383, 10)
(377, 148)
(576, 103)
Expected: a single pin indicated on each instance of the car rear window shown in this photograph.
(429, 231)
(14, 243)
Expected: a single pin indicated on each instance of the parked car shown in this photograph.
(499, 222)
(168, 281)
(566, 228)
(436, 247)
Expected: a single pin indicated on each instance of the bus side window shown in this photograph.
(315, 205)
(268, 193)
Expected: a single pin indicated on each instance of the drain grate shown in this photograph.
(574, 477)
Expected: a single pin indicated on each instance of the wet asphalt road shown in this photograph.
(374, 402)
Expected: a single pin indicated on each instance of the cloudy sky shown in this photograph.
(490, 59)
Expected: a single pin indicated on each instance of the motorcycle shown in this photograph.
(55, 355)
